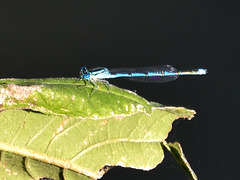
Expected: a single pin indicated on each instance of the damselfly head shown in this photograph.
(84, 73)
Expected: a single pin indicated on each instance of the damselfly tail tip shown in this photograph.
(193, 72)
(202, 71)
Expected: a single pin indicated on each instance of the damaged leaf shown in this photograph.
(54, 128)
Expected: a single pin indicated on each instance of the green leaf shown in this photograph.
(39, 169)
(12, 167)
(68, 174)
(176, 150)
(66, 132)
(70, 97)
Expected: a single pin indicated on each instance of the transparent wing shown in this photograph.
(134, 74)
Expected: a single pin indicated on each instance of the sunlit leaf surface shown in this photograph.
(56, 128)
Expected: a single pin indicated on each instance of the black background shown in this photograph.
(55, 38)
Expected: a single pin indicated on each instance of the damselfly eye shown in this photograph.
(86, 76)
(84, 70)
